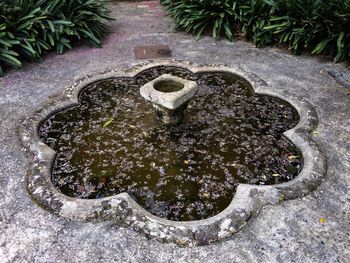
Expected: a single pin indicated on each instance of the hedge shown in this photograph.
(318, 26)
(31, 28)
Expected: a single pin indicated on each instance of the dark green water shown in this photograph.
(110, 143)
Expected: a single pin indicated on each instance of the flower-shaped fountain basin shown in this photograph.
(235, 152)
(110, 143)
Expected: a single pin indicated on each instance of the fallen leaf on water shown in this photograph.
(199, 151)
(291, 157)
(206, 195)
(322, 220)
(107, 123)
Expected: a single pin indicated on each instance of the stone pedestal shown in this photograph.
(169, 96)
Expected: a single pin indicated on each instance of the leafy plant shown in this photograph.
(198, 16)
(254, 17)
(7, 55)
(317, 25)
(320, 26)
(30, 28)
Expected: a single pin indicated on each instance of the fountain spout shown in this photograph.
(170, 96)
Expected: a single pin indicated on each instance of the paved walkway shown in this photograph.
(289, 232)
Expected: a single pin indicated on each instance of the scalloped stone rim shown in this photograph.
(124, 211)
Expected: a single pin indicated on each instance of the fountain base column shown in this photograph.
(169, 117)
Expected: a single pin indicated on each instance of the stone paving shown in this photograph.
(315, 228)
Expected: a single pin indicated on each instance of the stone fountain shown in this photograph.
(186, 183)
(169, 96)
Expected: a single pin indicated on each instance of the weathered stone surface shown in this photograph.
(180, 92)
(290, 231)
(169, 96)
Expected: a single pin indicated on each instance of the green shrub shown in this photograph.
(254, 17)
(30, 28)
(201, 15)
(320, 26)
